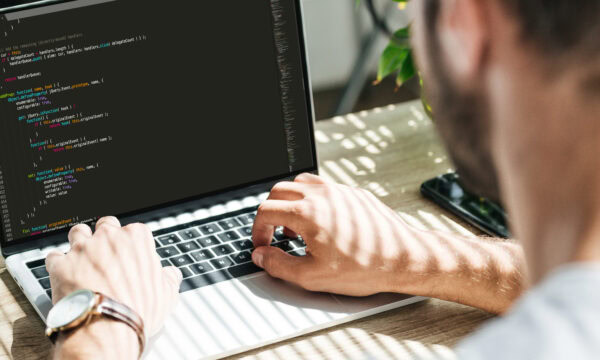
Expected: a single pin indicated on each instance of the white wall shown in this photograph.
(331, 40)
(335, 29)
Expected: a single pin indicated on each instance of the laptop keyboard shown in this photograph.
(206, 251)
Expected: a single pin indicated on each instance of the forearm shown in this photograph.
(485, 273)
(101, 339)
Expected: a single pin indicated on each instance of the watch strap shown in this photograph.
(52, 335)
(113, 309)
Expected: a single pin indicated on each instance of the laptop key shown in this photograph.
(298, 243)
(298, 252)
(247, 219)
(284, 245)
(208, 241)
(279, 235)
(209, 229)
(188, 246)
(204, 280)
(202, 255)
(186, 272)
(40, 272)
(230, 224)
(49, 293)
(45, 283)
(245, 231)
(189, 234)
(301, 241)
(182, 260)
(37, 263)
(229, 236)
(221, 263)
(201, 268)
(243, 245)
(165, 263)
(242, 257)
(168, 240)
(156, 244)
(167, 252)
(223, 250)
(242, 270)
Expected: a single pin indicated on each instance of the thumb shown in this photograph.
(173, 276)
(278, 263)
(167, 299)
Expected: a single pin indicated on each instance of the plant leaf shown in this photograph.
(391, 61)
(407, 70)
(394, 55)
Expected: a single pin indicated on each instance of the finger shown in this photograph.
(171, 280)
(272, 213)
(143, 232)
(108, 221)
(78, 234)
(308, 178)
(287, 191)
(174, 276)
(279, 264)
(53, 258)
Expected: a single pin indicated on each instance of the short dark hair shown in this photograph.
(558, 26)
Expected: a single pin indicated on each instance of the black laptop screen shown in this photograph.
(113, 106)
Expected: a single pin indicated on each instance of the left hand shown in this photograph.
(121, 263)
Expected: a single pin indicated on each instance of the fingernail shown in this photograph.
(257, 258)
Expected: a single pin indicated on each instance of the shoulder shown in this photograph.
(559, 319)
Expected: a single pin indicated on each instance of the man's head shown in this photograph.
(454, 44)
(514, 85)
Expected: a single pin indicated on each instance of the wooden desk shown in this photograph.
(389, 151)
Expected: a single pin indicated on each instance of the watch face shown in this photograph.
(71, 308)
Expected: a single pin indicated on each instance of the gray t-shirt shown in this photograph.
(559, 319)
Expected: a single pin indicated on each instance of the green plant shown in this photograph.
(397, 57)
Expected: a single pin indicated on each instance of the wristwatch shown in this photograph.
(78, 308)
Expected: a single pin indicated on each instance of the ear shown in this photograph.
(464, 35)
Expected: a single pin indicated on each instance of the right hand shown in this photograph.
(358, 246)
(355, 244)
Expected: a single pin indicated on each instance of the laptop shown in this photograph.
(178, 114)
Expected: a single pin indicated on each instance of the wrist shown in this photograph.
(479, 272)
(101, 338)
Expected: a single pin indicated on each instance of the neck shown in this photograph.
(549, 173)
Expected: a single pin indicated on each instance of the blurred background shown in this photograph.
(344, 48)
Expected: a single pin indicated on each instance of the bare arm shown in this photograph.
(357, 246)
(481, 272)
(101, 339)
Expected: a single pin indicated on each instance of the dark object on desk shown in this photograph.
(446, 191)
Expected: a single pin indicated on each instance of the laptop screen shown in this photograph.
(115, 106)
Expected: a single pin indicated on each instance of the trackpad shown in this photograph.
(269, 288)
(289, 295)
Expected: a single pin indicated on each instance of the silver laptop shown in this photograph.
(179, 114)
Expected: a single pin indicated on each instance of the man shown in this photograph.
(515, 85)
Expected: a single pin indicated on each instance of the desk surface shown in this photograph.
(389, 151)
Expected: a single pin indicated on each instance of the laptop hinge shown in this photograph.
(9, 250)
